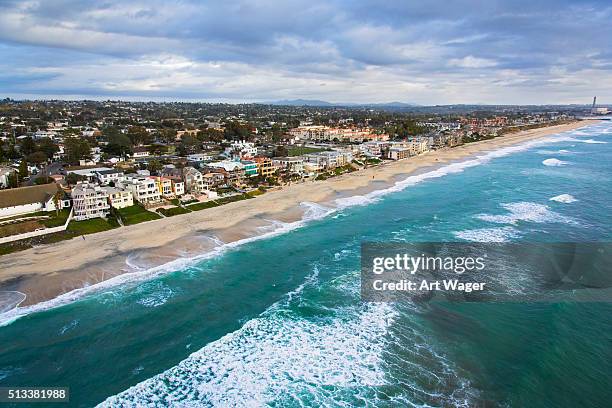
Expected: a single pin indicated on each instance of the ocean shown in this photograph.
(278, 321)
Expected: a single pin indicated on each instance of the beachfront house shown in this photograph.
(31, 199)
(250, 168)
(178, 185)
(265, 166)
(293, 165)
(89, 201)
(118, 198)
(233, 170)
(194, 183)
(143, 188)
(164, 186)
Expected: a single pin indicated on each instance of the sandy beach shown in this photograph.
(44, 272)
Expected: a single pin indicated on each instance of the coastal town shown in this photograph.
(71, 168)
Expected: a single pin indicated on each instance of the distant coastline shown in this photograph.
(47, 271)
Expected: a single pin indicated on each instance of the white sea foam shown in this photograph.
(502, 234)
(564, 198)
(273, 357)
(69, 326)
(549, 152)
(527, 212)
(554, 162)
(155, 296)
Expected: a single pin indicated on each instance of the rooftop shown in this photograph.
(27, 195)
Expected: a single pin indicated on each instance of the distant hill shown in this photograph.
(315, 102)
(300, 102)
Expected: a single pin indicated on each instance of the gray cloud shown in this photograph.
(425, 52)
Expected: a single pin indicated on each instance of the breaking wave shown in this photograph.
(564, 198)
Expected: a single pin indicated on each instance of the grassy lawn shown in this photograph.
(300, 150)
(169, 212)
(202, 206)
(56, 220)
(136, 214)
(76, 228)
(256, 193)
(238, 197)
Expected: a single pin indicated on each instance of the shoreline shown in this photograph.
(48, 271)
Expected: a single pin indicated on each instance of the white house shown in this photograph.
(26, 200)
(143, 188)
(241, 150)
(107, 176)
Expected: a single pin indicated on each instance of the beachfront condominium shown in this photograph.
(89, 201)
(143, 188)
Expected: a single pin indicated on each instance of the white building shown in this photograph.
(291, 164)
(241, 150)
(143, 188)
(26, 200)
(89, 201)
(5, 172)
(108, 176)
(200, 157)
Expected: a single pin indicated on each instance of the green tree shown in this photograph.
(48, 147)
(23, 170)
(188, 145)
(13, 180)
(281, 151)
(37, 157)
(154, 166)
(76, 149)
(138, 135)
(72, 178)
(167, 135)
(118, 144)
(27, 146)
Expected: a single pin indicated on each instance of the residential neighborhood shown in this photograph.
(92, 166)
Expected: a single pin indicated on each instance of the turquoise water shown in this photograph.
(278, 321)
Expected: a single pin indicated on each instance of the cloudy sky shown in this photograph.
(426, 52)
